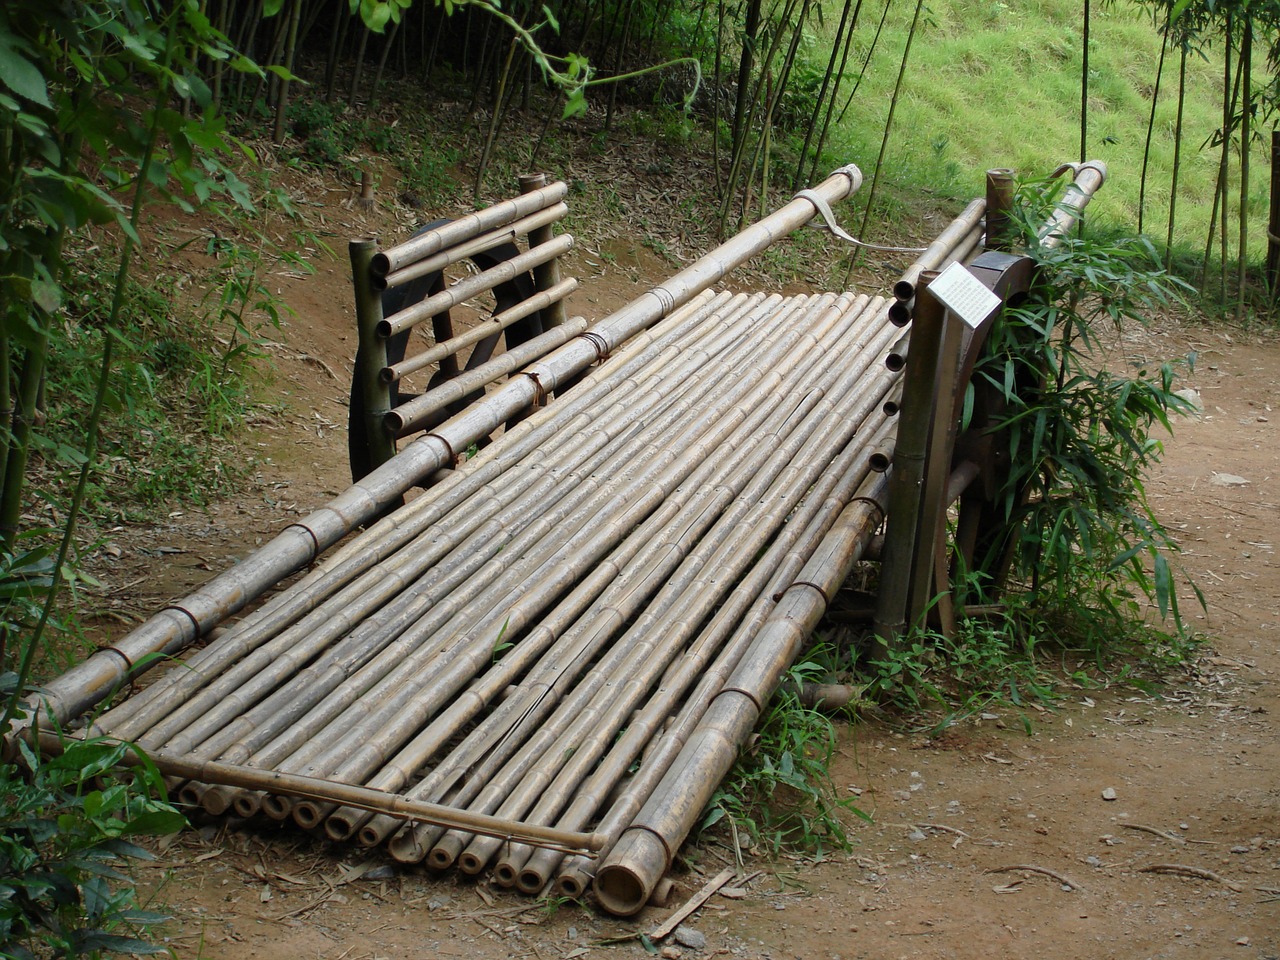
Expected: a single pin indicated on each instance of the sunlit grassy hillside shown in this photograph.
(992, 83)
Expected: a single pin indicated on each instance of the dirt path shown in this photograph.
(1194, 772)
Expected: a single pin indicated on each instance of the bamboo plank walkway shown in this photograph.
(542, 666)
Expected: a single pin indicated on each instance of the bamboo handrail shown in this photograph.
(469, 248)
(466, 227)
(482, 330)
(412, 414)
(472, 286)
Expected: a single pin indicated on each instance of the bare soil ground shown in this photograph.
(1127, 824)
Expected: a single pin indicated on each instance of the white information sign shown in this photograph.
(963, 293)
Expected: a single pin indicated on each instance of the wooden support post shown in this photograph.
(915, 420)
(371, 355)
(999, 203)
(546, 275)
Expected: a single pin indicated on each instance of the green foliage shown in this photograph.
(941, 681)
(1081, 436)
(780, 791)
(67, 826)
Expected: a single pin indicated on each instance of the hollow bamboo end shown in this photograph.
(380, 265)
(621, 890)
(896, 362)
(190, 794)
(277, 808)
(531, 881)
(904, 290)
(470, 864)
(440, 858)
(247, 805)
(504, 874)
(573, 882)
(900, 312)
(307, 814)
(339, 826)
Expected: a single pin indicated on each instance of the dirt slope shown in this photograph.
(1195, 772)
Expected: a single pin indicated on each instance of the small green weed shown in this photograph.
(780, 792)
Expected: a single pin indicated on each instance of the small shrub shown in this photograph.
(66, 829)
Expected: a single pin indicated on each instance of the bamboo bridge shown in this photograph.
(531, 640)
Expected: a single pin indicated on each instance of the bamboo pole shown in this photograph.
(471, 286)
(482, 330)
(371, 355)
(627, 876)
(936, 252)
(1086, 179)
(417, 412)
(1273, 221)
(461, 251)
(465, 228)
(273, 715)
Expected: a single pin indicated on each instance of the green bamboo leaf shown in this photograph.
(17, 72)
(1163, 583)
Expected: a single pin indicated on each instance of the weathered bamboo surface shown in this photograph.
(518, 670)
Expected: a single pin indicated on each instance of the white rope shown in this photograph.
(824, 208)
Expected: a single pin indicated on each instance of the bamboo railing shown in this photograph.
(543, 664)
